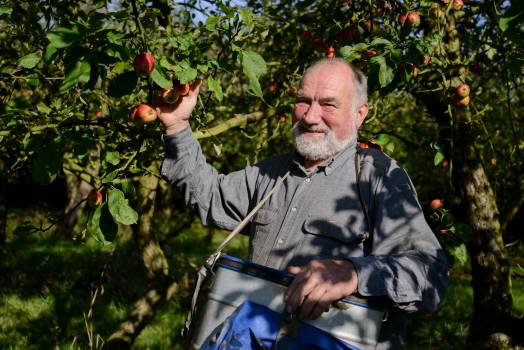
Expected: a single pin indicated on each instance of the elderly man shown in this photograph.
(315, 225)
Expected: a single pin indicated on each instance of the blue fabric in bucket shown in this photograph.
(255, 327)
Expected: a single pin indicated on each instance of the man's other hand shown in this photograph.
(317, 285)
(175, 117)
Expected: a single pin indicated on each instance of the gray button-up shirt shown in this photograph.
(318, 214)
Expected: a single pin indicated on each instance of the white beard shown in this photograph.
(322, 149)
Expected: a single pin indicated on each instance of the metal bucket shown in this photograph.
(354, 320)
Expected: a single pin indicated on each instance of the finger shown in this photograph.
(298, 291)
(300, 276)
(194, 87)
(294, 269)
(310, 305)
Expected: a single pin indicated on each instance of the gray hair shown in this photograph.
(360, 81)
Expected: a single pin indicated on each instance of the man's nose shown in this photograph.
(313, 115)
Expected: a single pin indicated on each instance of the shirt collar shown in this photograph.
(338, 160)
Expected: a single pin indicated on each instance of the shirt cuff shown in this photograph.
(177, 142)
(370, 276)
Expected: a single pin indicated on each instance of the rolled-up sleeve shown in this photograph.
(406, 264)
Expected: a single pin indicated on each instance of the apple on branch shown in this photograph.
(144, 64)
(143, 112)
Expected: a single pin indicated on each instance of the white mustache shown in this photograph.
(301, 126)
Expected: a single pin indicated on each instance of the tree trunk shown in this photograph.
(492, 324)
(155, 262)
(141, 313)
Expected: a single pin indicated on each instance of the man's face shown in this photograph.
(323, 120)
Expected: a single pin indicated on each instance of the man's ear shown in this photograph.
(362, 112)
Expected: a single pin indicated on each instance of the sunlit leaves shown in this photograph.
(120, 209)
(31, 60)
(215, 87)
(253, 66)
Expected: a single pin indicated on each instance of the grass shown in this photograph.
(46, 286)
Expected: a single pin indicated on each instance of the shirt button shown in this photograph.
(280, 241)
(308, 179)
(294, 209)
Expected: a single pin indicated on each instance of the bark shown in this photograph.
(3, 209)
(492, 325)
(143, 310)
(155, 262)
(78, 181)
(152, 255)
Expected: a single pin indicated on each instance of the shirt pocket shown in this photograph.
(328, 238)
(260, 232)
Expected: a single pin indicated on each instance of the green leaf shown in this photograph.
(31, 60)
(439, 157)
(112, 157)
(211, 23)
(386, 141)
(185, 73)
(110, 177)
(253, 63)
(49, 52)
(122, 84)
(64, 37)
(80, 73)
(128, 188)
(120, 209)
(461, 254)
(215, 87)
(349, 54)
(5, 10)
(43, 108)
(102, 225)
(161, 78)
(32, 80)
(385, 73)
(381, 41)
(46, 165)
(247, 17)
(254, 66)
(509, 20)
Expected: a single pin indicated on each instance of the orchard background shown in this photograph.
(79, 273)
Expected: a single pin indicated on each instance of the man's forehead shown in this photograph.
(328, 76)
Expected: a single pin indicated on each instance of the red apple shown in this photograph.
(415, 70)
(144, 112)
(371, 53)
(95, 198)
(181, 89)
(272, 88)
(457, 4)
(132, 113)
(462, 101)
(330, 53)
(437, 204)
(445, 163)
(445, 232)
(402, 18)
(413, 19)
(427, 59)
(144, 64)
(363, 145)
(462, 90)
(282, 118)
(169, 96)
